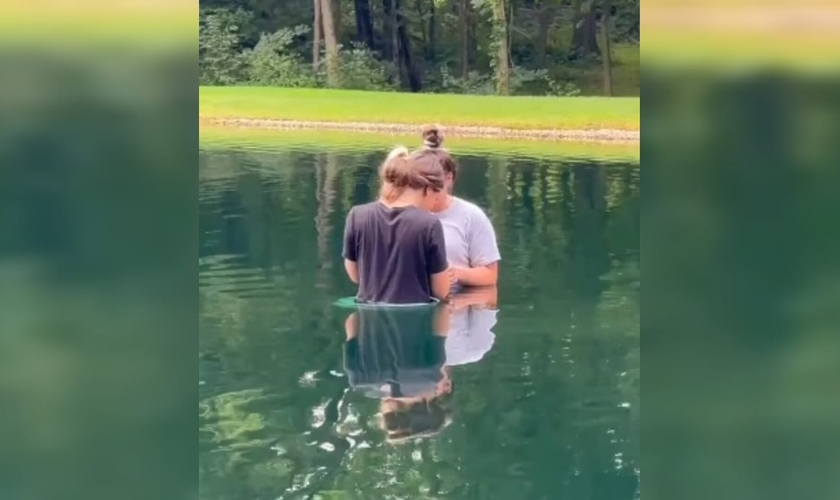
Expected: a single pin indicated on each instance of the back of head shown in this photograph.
(400, 172)
(433, 151)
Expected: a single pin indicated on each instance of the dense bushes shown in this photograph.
(225, 60)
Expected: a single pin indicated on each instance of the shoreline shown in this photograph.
(593, 135)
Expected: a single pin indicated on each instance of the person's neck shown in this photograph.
(446, 203)
(404, 200)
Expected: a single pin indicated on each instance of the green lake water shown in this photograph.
(544, 400)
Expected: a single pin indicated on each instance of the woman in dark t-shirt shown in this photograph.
(393, 247)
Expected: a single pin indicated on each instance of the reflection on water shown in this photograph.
(531, 391)
(397, 355)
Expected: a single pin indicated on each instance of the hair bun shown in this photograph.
(432, 136)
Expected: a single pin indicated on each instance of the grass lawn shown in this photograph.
(570, 113)
(213, 137)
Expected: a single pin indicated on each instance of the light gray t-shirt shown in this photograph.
(470, 238)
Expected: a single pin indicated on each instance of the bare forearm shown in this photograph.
(440, 286)
(352, 270)
(478, 276)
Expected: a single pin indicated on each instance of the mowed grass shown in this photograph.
(214, 137)
(520, 112)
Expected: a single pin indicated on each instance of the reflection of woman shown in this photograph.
(473, 316)
(471, 246)
(398, 356)
(393, 247)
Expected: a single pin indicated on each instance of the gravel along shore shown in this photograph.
(595, 135)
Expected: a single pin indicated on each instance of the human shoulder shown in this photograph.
(421, 216)
(364, 208)
(471, 210)
(362, 212)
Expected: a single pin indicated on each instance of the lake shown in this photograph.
(542, 400)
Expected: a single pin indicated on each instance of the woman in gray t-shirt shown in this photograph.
(471, 247)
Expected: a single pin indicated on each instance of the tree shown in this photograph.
(364, 25)
(389, 31)
(317, 31)
(404, 47)
(606, 56)
(333, 70)
(584, 41)
(501, 47)
(464, 18)
(431, 44)
(545, 19)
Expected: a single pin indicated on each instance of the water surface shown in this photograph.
(544, 398)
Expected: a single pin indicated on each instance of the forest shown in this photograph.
(504, 47)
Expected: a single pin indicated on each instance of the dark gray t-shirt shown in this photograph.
(396, 250)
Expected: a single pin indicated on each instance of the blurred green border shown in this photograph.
(217, 137)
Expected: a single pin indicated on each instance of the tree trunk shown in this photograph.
(364, 26)
(317, 25)
(464, 23)
(500, 30)
(546, 19)
(388, 38)
(584, 36)
(337, 18)
(424, 34)
(605, 55)
(414, 82)
(391, 7)
(331, 43)
(432, 46)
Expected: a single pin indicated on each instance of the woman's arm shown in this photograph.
(484, 254)
(440, 285)
(349, 250)
(440, 274)
(352, 270)
(478, 276)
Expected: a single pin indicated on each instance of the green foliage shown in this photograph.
(220, 61)
(273, 62)
(562, 89)
(361, 70)
(474, 83)
(525, 81)
(626, 21)
(259, 41)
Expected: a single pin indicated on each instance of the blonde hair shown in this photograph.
(400, 171)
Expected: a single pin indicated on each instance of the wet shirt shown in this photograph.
(396, 251)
